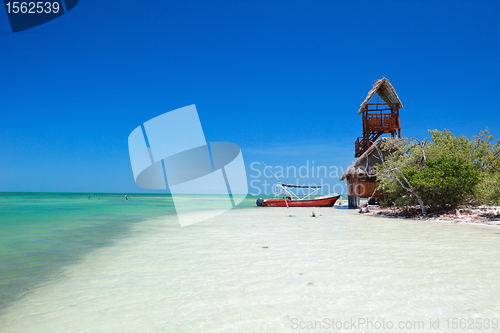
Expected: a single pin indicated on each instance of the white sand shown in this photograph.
(484, 216)
(256, 270)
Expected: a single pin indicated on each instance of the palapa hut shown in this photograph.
(378, 119)
(361, 180)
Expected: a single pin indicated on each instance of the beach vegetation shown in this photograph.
(443, 173)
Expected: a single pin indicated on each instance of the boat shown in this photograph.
(325, 201)
(293, 200)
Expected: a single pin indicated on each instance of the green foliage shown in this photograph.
(456, 171)
(479, 151)
(488, 190)
(445, 183)
(393, 194)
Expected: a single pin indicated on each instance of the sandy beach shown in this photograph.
(262, 270)
(484, 216)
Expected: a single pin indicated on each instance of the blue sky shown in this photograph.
(282, 79)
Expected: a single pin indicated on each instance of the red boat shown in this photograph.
(293, 200)
(326, 201)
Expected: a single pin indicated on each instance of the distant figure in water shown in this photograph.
(126, 197)
(89, 197)
(98, 198)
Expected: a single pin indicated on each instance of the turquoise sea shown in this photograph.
(71, 264)
(40, 233)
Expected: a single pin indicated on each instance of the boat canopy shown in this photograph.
(301, 186)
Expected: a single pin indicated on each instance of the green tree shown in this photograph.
(446, 182)
(446, 172)
(397, 156)
(481, 153)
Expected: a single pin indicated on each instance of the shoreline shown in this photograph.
(488, 216)
(263, 268)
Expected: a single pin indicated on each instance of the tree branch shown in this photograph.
(388, 172)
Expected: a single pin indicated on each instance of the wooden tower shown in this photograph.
(379, 118)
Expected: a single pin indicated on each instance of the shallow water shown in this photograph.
(40, 233)
(258, 269)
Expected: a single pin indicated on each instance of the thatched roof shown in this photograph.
(364, 165)
(385, 90)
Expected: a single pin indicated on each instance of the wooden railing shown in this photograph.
(381, 121)
(360, 146)
(378, 119)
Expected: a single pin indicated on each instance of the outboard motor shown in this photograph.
(260, 202)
